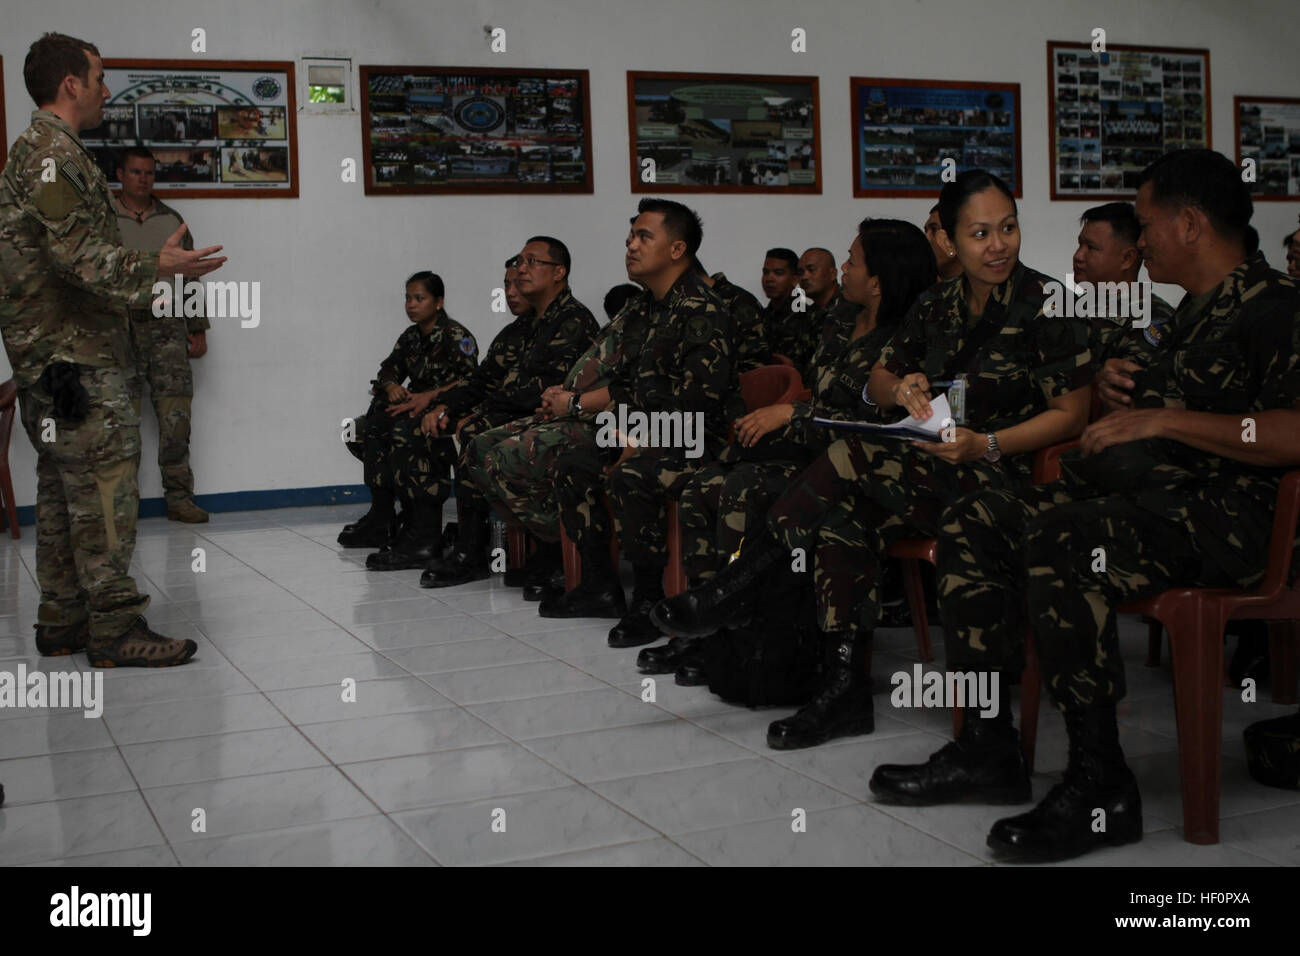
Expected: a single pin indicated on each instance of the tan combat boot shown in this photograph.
(53, 640)
(139, 647)
(186, 511)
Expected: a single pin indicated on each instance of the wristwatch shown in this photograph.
(994, 452)
(575, 404)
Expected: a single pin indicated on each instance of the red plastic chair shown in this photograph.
(8, 396)
(779, 359)
(770, 385)
(1195, 619)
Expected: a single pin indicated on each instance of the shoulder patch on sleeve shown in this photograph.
(571, 328)
(57, 199)
(698, 329)
(467, 345)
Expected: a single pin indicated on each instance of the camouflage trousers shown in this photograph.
(638, 489)
(399, 456)
(719, 502)
(475, 424)
(1059, 559)
(162, 361)
(87, 501)
(513, 466)
(856, 499)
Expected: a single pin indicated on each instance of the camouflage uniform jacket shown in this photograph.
(750, 348)
(684, 364)
(446, 354)
(1234, 350)
(65, 279)
(527, 356)
(1030, 359)
(1119, 340)
(133, 229)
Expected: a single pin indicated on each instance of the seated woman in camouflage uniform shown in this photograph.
(1029, 387)
(888, 266)
(433, 354)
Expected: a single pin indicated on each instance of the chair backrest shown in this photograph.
(1281, 543)
(770, 385)
(8, 393)
(779, 359)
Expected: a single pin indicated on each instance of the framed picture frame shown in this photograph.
(1267, 130)
(4, 130)
(905, 131)
(723, 133)
(1111, 114)
(219, 129)
(435, 130)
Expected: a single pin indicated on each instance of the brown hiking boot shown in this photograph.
(139, 647)
(186, 511)
(54, 640)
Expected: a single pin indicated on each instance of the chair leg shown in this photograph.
(1283, 650)
(517, 547)
(1031, 685)
(911, 568)
(572, 561)
(1196, 651)
(674, 573)
(1155, 634)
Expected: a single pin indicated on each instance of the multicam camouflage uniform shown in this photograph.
(724, 497)
(527, 357)
(397, 454)
(162, 354)
(684, 366)
(861, 495)
(1164, 514)
(751, 346)
(65, 282)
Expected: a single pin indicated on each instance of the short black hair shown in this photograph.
(954, 196)
(512, 262)
(1206, 180)
(899, 255)
(680, 221)
(1287, 240)
(933, 210)
(1121, 216)
(785, 254)
(431, 281)
(557, 251)
(618, 296)
(138, 152)
(829, 255)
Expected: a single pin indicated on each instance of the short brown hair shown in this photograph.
(51, 58)
(135, 152)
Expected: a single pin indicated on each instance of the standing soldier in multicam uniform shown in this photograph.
(888, 266)
(1029, 377)
(1177, 491)
(527, 357)
(683, 368)
(163, 346)
(65, 283)
(435, 353)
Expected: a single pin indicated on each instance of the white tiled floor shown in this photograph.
(471, 709)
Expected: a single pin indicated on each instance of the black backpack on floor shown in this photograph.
(775, 659)
(1273, 751)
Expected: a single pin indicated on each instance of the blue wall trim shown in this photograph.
(247, 501)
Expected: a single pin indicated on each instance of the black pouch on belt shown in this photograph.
(62, 382)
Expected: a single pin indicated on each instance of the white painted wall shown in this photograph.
(332, 262)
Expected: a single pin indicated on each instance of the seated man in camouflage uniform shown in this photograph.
(750, 334)
(67, 281)
(822, 304)
(527, 357)
(433, 354)
(780, 276)
(1177, 491)
(682, 369)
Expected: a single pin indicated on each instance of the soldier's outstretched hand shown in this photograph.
(174, 259)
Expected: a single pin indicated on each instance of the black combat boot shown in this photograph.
(419, 541)
(552, 587)
(842, 708)
(598, 594)
(371, 530)
(636, 627)
(725, 599)
(983, 765)
(538, 566)
(666, 658)
(470, 560)
(1067, 823)
(691, 671)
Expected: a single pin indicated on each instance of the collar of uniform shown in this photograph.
(559, 302)
(58, 122)
(1003, 291)
(155, 207)
(686, 282)
(1248, 272)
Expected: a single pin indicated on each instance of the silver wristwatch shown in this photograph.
(994, 452)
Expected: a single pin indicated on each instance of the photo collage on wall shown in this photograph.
(716, 131)
(213, 131)
(459, 130)
(1268, 131)
(905, 130)
(1116, 112)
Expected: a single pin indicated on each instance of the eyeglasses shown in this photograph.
(530, 261)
